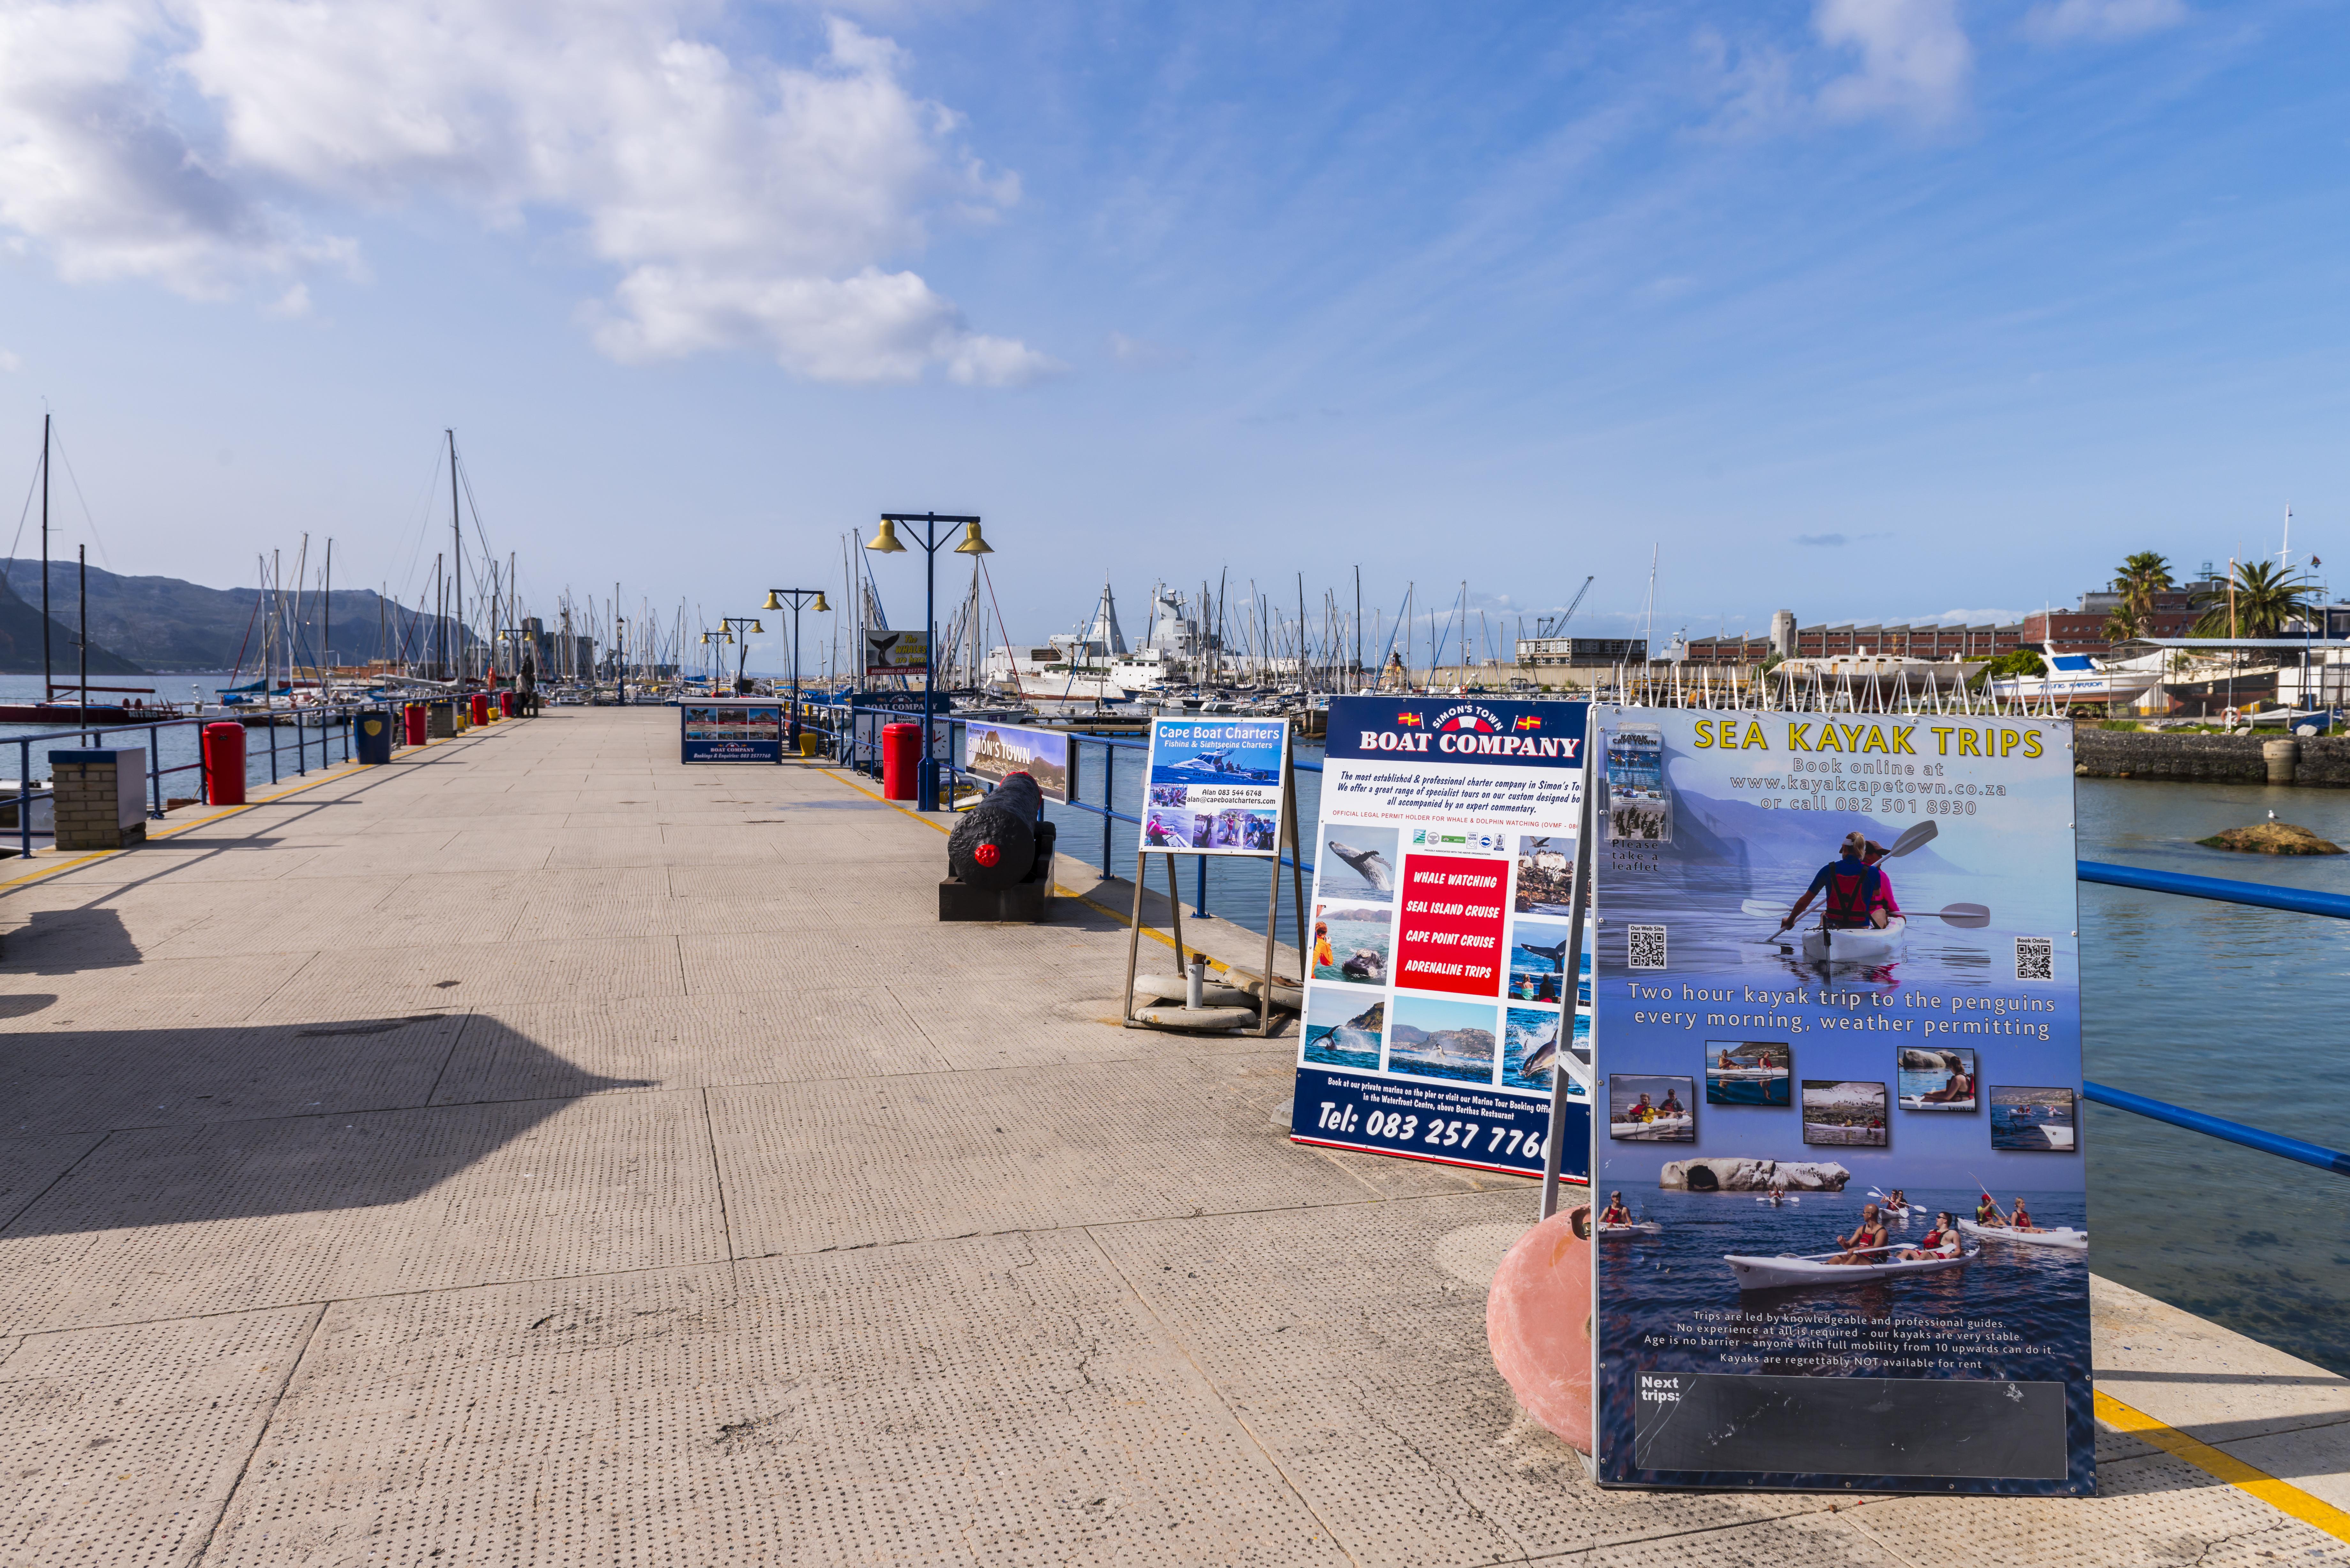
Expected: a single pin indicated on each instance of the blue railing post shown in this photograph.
(273, 744)
(25, 798)
(1200, 899)
(1109, 801)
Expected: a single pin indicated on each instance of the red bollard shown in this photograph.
(481, 707)
(901, 753)
(413, 717)
(506, 703)
(223, 747)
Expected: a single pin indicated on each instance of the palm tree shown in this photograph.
(2257, 601)
(2142, 576)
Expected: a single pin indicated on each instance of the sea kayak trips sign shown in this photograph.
(1215, 785)
(1440, 995)
(1836, 1030)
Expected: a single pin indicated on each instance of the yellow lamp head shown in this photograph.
(758, 629)
(972, 545)
(820, 607)
(773, 602)
(885, 541)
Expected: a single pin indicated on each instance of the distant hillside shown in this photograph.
(167, 624)
(20, 643)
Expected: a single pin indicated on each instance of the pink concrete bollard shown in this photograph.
(1538, 1324)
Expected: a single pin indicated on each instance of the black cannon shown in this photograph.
(1000, 856)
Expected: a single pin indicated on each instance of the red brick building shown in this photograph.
(1925, 640)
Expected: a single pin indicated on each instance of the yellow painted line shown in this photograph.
(1123, 917)
(2284, 1496)
(91, 858)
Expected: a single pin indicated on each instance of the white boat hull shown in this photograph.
(1783, 1274)
(1860, 944)
(1636, 1228)
(2063, 1236)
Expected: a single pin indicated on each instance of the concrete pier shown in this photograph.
(534, 1151)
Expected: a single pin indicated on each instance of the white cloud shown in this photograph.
(743, 204)
(1914, 59)
(1141, 354)
(2069, 20)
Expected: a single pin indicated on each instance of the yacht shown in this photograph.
(2081, 678)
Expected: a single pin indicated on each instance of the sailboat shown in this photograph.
(49, 711)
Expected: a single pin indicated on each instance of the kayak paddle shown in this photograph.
(1968, 914)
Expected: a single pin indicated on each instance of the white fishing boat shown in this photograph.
(1856, 944)
(2062, 1236)
(1887, 671)
(1781, 1273)
(2078, 677)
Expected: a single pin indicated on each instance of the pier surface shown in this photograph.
(536, 1151)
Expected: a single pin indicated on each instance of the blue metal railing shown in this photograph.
(2219, 1127)
(864, 755)
(2225, 890)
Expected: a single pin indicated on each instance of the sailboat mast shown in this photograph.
(49, 675)
(327, 630)
(457, 560)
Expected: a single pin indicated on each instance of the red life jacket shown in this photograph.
(1848, 898)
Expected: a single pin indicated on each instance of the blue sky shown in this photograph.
(1869, 309)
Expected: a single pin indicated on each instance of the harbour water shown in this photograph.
(2228, 1010)
(175, 748)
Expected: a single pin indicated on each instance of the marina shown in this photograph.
(431, 1197)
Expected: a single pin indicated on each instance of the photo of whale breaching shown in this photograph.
(1938, 1078)
(1538, 960)
(1431, 1039)
(2032, 1120)
(1749, 1072)
(1352, 943)
(1360, 862)
(1841, 1111)
(1545, 874)
(1530, 1048)
(1649, 1108)
(1340, 1031)
(1640, 806)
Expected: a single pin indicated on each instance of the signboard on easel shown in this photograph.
(722, 732)
(1441, 1001)
(1837, 965)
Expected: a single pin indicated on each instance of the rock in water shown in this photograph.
(995, 845)
(1538, 1324)
(2271, 838)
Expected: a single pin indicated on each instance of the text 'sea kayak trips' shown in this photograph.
(1440, 995)
(1843, 1237)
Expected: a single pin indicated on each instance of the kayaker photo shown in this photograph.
(1866, 1243)
(2020, 1219)
(1872, 852)
(1941, 1241)
(1323, 957)
(1616, 1213)
(1855, 891)
(1987, 1213)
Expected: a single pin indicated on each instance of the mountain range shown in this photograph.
(166, 624)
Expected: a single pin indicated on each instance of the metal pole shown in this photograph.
(926, 777)
(1579, 892)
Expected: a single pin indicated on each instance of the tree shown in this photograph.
(2143, 575)
(2257, 601)
(2016, 661)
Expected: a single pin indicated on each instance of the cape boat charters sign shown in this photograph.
(992, 751)
(731, 732)
(1215, 785)
(1912, 1031)
(1440, 995)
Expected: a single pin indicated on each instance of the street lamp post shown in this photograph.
(620, 657)
(793, 599)
(710, 640)
(741, 627)
(885, 542)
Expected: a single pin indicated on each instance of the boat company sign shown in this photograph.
(1440, 995)
(1215, 785)
(731, 733)
(1835, 964)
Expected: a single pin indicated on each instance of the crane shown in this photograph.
(1555, 624)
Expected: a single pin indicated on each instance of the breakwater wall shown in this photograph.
(2320, 761)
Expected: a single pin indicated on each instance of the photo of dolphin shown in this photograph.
(1368, 863)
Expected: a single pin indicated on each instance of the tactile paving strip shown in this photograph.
(994, 1401)
(119, 1446)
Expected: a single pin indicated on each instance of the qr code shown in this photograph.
(2035, 958)
(1645, 945)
